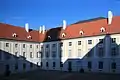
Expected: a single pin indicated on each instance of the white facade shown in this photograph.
(49, 55)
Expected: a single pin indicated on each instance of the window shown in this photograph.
(114, 51)
(79, 52)
(60, 55)
(100, 41)
(23, 45)
(101, 52)
(41, 54)
(7, 44)
(113, 65)
(24, 66)
(61, 64)
(61, 44)
(31, 55)
(69, 53)
(30, 46)
(90, 52)
(37, 46)
(16, 45)
(100, 66)
(38, 54)
(54, 45)
(54, 64)
(63, 35)
(47, 46)
(102, 29)
(79, 42)
(113, 40)
(16, 53)
(53, 54)
(41, 64)
(70, 43)
(16, 66)
(47, 64)
(89, 65)
(47, 54)
(89, 41)
(31, 65)
(24, 54)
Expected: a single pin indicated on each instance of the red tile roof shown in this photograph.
(89, 28)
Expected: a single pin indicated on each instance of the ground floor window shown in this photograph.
(24, 66)
(47, 64)
(61, 64)
(16, 66)
(89, 65)
(113, 65)
(31, 65)
(100, 65)
(54, 64)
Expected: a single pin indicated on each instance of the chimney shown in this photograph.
(40, 29)
(64, 24)
(27, 27)
(110, 16)
(43, 29)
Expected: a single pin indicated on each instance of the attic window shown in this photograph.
(49, 37)
(14, 35)
(63, 35)
(29, 37)
(81, 32)
(102, 29)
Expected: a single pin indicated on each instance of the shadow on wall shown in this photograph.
(51, 50)
(12, 64)
(103, 57)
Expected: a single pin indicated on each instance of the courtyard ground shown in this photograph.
(57, 75)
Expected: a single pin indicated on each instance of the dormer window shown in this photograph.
(102, 29)
(81, 32)
(49, 37)
(63, 35)
(14, 35)
(29, 37)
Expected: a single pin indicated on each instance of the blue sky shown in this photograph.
(51, 12)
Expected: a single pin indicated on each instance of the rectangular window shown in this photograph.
(38, 55)
(31, 55)
(7, 44)
(100, 66)
(79, 52)
(79, 42)
(114, 51)
(47, 46)
(24, 55)
(100, 41)
(113, 40)
(89, 41)
(89, 65)
(61, 44)
(30, 46)
(101, 52)
(61, 64)
(70, 43)
(69, 53)
(16, 45)
(47, 54)
(16, 66)
(23, 45)
(24, 66)
(31, 65)
(113, 65)
(53, 45)
(54, 64)
(53, 54)
(37, 46)
(47, 64)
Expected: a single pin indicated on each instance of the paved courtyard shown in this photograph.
(56, 75)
